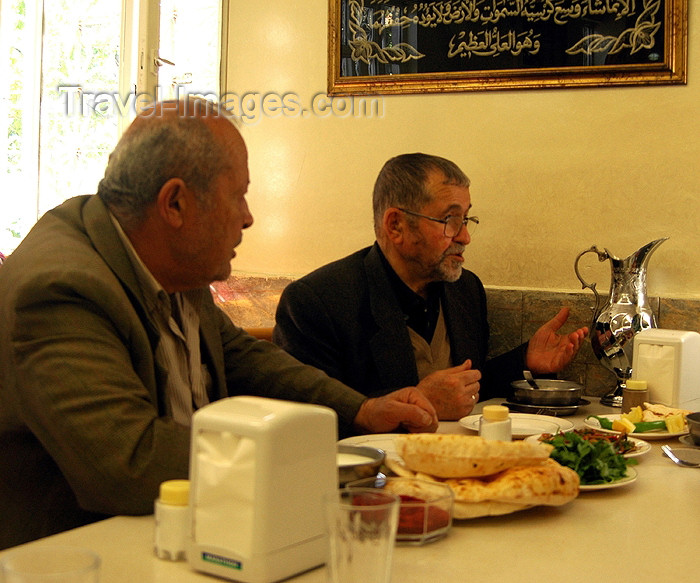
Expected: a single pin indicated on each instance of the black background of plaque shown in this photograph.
(554, 40)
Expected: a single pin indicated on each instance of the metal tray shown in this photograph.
(554, 410)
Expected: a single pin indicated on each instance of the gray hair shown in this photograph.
(402, 182)
(157, 149)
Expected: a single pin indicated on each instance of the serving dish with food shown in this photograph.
(488, 478)
(623, 444)
(599, 461)
(628, 478)
(650, 421)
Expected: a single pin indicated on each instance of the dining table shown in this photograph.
(647, 530)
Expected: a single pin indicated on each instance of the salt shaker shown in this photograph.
(634, 394)
(495, 423)
(173, 524)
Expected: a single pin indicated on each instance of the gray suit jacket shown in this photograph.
(83, 429)
(344, 318)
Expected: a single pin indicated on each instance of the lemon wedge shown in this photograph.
(675, 423)
(634, 415)
(623, 425)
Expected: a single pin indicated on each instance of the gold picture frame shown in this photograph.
(403, 47)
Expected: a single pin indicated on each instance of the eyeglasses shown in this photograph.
(453, 223)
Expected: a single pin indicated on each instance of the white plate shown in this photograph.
(628, 479)
(640, 446)
(524, 424)
(593, 424)
(383, 441)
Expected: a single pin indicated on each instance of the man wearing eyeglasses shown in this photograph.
(404, 312)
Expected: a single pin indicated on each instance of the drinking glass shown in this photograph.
(361, 525)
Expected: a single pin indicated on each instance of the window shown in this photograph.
(194, 66)
(70, 71)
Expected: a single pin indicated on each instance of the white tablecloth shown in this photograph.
(645, 532)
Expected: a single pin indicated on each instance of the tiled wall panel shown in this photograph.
(250, 301)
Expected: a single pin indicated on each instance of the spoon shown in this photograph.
(687, 454)
(530, 379)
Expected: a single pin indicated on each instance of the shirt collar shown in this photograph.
(420, 314)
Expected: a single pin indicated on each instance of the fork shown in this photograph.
(676, 460)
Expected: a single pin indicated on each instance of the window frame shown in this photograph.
(138, 74)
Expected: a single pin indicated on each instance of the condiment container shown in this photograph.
(425, 513)
(173, 523)
(495, 423)
(634, 394)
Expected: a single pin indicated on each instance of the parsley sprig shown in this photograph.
(595, 461)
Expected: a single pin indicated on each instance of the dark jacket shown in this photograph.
(345, 319)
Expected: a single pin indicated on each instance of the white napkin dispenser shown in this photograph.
(259, 469)
(669, 360)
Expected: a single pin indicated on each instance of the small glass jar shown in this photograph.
(495, 423)
(635, 394)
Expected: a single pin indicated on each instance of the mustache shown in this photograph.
(455, 248)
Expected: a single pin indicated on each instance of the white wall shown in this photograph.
(553, 171)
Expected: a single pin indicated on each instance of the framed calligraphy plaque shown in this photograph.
(401, 46)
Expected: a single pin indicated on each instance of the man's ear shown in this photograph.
(172, 202)
(393, 224)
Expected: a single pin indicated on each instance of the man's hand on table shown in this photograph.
(453, 391)
(406, 408)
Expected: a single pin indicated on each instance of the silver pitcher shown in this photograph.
(626, 313)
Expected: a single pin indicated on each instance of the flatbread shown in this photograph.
(466, 456)
(461, 509)
(548, 484)
(544, 482)
(421, 489)
(655, 412)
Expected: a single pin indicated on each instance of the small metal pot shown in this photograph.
(551, 392)
(693, 420)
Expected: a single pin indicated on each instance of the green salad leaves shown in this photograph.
(595, 461)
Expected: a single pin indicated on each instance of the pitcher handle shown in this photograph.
(602, 256)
